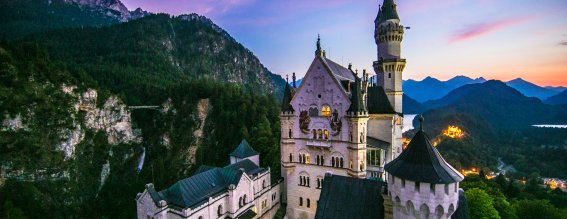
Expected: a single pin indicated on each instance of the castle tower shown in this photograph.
(287, 140)
(389, 66)
(421, 183)
(357, 115)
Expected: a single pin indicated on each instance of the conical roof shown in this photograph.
(243, 150)
(286, 102)
(389, 11)
(421, 162)
(357, 102)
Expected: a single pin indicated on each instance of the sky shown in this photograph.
(495, 39)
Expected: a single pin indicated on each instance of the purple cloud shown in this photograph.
(477, 30)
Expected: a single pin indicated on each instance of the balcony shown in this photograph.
(319, 143)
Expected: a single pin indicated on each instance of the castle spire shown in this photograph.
(319, 51)
(388, 11)
(293, 78)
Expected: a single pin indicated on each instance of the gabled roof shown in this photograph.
(207, 182)
(421, 162)
(377, 101)
(340, 72)
(243, 150)
(346, 197)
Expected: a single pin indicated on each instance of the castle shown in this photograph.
(341, 153)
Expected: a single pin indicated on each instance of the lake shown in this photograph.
(408, 122)
(551, 126)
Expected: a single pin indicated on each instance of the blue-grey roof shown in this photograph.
(347, 197)
(376, 143)
(207, 182)
(340, 72)
(243, 150)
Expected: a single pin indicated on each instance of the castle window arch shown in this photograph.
(424, 211)
(219, 210)
(451, 209)
(320, 133)
(326, 111)
(410, 208)
(326, 134)
(314, 133)
(313, 111)
(439, 211)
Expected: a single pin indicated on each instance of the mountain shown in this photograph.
(531, 90)
(411, 106)
(499, 104)
(19, 18)
(558, 99)
(557, 89)
(159, 51)
(431, 88)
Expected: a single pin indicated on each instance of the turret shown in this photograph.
(244, 151)
(421, 183)
(388, 35)
(357, 115)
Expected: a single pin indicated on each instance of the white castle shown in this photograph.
(341, 153)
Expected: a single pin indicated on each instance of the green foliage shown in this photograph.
(537, 209)
(481, 204)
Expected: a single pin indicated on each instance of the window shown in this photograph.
(326, 134)
(244, 200)
(200, 217)
(389, 75)
(308, 203)
(326, 111)
(314, 132)
(240, 202)
(290, 158)
(289, 133)
(263, 184)
(219, 210)
(403, 183)
(432, 187)
(319, 183)
(320, 132)
(417, 186)
(313, 111)
(307, 160)
(341, 163)
(333, 161)
(374, 157)
(300, 201)
(447, 189)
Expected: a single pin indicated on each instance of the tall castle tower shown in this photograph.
(389, 67)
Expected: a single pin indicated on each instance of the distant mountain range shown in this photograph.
(497, 103)
(558, 99)
(431, 88)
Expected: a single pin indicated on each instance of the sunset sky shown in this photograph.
(496, 39)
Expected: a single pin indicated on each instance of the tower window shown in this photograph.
(300, 201)
(389, 75)
(320, 132)
(290, 158)
(432, 188)
(308, 203)
(417, 186)
(326, 134)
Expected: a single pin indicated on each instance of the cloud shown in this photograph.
(478, 30)
(564, 43)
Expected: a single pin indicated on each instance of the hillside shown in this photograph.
(411, 106)
(558, 99)
(159, 51)
(431, 88)
(531, 90)
(501, 105)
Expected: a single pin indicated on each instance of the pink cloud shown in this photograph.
(478, 30)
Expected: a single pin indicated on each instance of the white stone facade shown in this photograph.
(422, 200)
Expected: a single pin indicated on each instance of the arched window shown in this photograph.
(244, 200)
(447, 189)
(333, 161)
(320, 133)
(326, 111)
(432, 188)
(219, 210)
(300, 201)
(308, 203)
(314, 132)
(290, 158)
(342, 164)
(326, 134)
(307, 159)
(313, 111)
(389, 75)
(289, 133)
(200, 217)
(240, 202)
(263, 184)
(417, 186)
